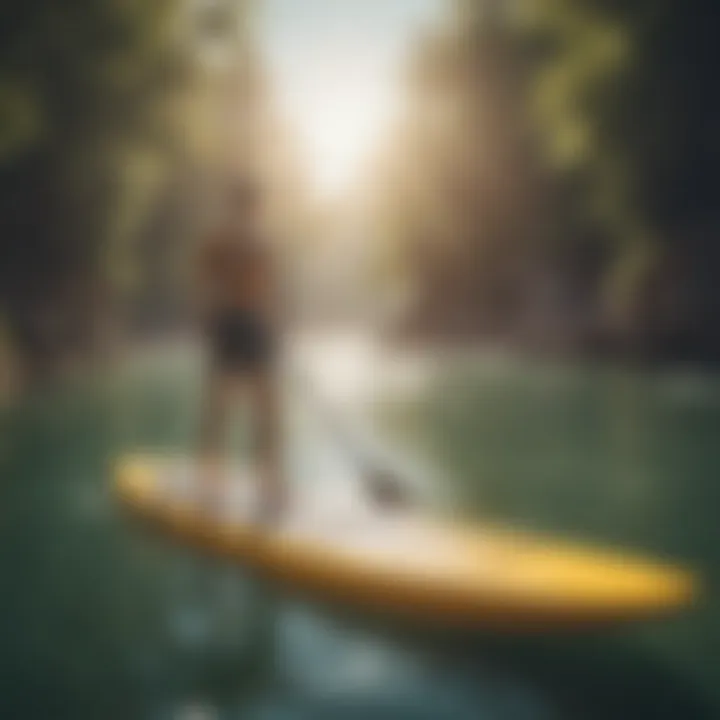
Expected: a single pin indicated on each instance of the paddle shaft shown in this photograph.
(382, 482)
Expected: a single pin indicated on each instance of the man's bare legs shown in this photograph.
(216, 402)
(223, 390)
(267, 425)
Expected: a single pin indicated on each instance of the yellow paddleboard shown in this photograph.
(411, 565)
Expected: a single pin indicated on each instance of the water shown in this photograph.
(100, 619)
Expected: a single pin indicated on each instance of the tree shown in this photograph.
(623, 92)
(462, 191)
(104, 106)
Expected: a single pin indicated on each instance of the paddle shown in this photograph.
(384, 484)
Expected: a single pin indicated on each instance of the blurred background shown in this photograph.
(499, 230)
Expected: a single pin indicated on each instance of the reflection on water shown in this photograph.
(100, 619)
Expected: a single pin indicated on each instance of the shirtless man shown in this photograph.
(238, 297)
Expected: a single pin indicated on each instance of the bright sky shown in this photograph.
(334, 65)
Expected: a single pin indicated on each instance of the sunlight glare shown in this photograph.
(335, 68)
(338, 123)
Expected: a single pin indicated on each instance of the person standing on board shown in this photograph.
(239, 299)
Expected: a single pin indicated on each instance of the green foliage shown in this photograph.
(624, 94)
(89, 94)
(578, 140)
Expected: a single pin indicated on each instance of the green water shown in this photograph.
(100, 620)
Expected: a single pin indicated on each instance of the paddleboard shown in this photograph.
(407, 563)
